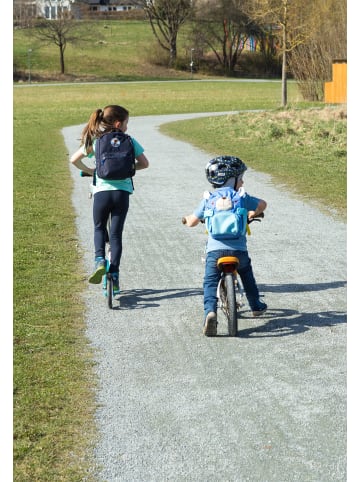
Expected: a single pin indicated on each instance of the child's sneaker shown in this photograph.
(260, 309)
(116, 285)
(98, 272)
(210, 327)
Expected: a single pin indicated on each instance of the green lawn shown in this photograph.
(109, 50)
(305, 150)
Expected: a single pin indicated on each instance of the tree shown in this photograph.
(166, 18)
(290, 17)
(311, 62)
(60, 32)
(267, 46)
(224, 27)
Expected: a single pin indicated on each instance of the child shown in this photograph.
(225, 173)
(110, 197)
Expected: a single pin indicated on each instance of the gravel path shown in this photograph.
(173, 405)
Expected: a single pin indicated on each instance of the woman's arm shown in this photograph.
(141, 162)
(76, 160)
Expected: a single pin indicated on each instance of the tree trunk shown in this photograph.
(283, 81)
(173, 51)
(62, 59)
(283, 74)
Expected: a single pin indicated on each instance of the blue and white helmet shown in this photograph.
(222, 168)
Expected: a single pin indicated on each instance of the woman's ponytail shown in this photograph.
(92, 128)
(102, 120)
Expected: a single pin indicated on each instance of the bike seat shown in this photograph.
(228, 261)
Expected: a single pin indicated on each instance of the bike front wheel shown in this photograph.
(230, 307)
(109, 290)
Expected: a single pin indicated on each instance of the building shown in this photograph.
(24, 10)
(50, 9)
(109, 5)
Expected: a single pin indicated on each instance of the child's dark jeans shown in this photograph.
(212, 277)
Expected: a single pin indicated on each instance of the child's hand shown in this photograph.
(190, 220)
(251, 214)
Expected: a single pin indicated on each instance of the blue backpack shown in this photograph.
(225, 215)
(115, 156)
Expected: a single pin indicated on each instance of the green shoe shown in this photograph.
(116, 286)
(99, 271)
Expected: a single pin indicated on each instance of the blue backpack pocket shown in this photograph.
(226, 224)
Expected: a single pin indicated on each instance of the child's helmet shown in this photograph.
(222, 168)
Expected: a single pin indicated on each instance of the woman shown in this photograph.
(111, 197)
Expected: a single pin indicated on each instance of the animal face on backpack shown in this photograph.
(225, 216)
(115, 156)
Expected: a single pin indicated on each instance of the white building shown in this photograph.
(50, 8)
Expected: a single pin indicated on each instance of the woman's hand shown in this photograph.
(76, 160)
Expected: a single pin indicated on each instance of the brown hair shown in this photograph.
(102, 120)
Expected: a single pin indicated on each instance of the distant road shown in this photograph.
(34, 84)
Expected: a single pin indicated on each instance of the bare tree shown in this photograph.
(224, 27)
(311, 61)
(290, 17)
(166, 18)
(60, 32)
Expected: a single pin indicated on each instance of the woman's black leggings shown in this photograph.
(115, 203)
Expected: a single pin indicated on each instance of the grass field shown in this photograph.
(304, 150)
(53, 378)
(109, 50)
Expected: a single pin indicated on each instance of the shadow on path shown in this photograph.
(147, 298)
(275, 323)
(290, 322)
(298, 287)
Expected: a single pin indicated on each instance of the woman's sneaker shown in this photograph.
(260, 309)
(116, 285)
(98, 272)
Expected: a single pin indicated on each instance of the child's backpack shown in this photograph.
(225, 216)
(115, 156)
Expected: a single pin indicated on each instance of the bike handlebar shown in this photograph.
(256, 218)
(85, 174)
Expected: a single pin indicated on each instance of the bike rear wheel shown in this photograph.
(230, 307)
